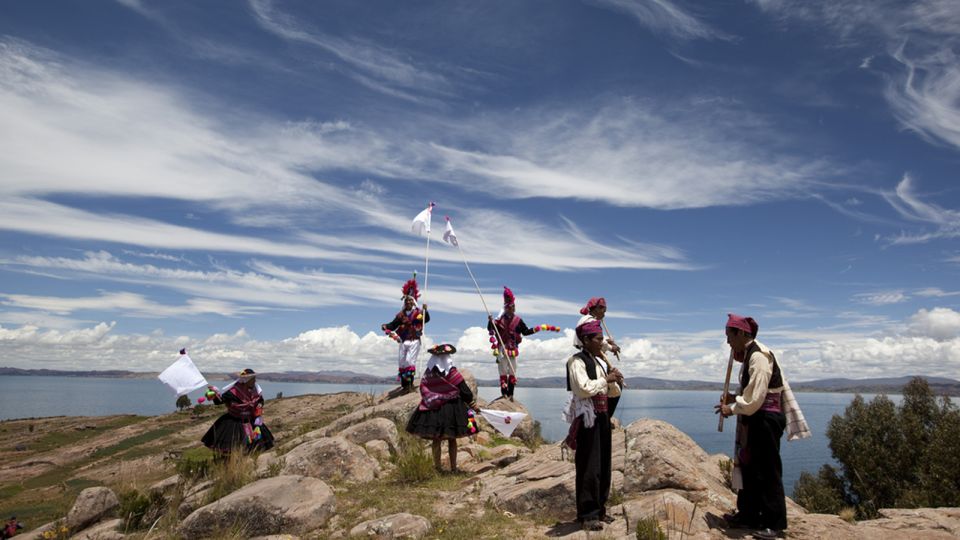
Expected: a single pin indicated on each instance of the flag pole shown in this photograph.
(726, 389)
(426, 279)
(480, 294)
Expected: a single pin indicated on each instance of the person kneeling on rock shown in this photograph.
(445, 400)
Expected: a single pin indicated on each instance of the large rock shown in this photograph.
(282, 504)
(394, 526)
(105, 530)
(332, 459)
(659, 456)
(375, 429)
(91, 505)
(543, 482)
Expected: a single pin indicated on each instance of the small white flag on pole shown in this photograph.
(449, 236)
(503, 421)
(421, 223)
(183, 376)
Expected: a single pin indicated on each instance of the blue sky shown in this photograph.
(239, 178)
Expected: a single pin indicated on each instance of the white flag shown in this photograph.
(421, 223)
(503, 421)
(449, 236)
(183, 376)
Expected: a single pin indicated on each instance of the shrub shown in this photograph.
(183, 402)
(889, 456)
(648, 528)
(820, 494)
(232, 473)
(135, 505)
(195, 463)
(413, 463)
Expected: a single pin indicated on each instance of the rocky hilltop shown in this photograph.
(342, 469)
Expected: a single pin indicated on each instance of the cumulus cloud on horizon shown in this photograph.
(928, 343)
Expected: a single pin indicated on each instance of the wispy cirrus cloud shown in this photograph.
(121, 138)
(371, 65)
(261, 286)
(130, 304)
(922, 36)
(664, 17)
(881, 298)
(909, 205)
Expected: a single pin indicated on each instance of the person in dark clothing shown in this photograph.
(761, 421)
(408, 325)
(242, 425)
(509, 329)
(446, 405)
(590, 431)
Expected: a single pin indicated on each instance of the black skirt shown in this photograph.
(447, 422)
(227, 433)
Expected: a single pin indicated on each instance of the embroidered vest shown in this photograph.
(411, 328)
(508, 332)
(776, 379)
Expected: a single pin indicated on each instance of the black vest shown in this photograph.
(776, 380)
(589, 362)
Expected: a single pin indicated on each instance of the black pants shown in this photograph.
(612, 405)
(761, 502)
(593, 462)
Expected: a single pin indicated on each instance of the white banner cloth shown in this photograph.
(183, 376)
(503, 421)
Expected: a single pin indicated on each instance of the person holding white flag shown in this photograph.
(241, 427)
(408, 327)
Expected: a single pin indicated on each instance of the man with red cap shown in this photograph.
(758, 471)
(408, 325)
(596, 310)
(590, 434)
(510, 329)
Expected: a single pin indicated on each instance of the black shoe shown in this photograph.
(592, 525)
(735, 520)
(768, 534)
(607, 518)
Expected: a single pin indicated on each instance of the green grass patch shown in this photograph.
(67, 437)
(131, 442)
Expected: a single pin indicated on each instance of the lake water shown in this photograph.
(691, 412)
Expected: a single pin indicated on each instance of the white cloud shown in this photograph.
(910, 206)
(925, 95)
(941, 324)
(931, 346)
(881, 298)
(373, 66)
(665, 17)
(121, 138)
(130, 304)
(264, 285)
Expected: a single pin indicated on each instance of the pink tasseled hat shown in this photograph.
(747, 324)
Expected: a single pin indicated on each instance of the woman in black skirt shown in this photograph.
(242, 425)
(444, 402)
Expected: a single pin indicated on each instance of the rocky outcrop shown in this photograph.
(542, 482)
(331, 459)
(401, 525)
(105, 530)
(283, 504)
(659, 456)
(375, 429)
(91, 505)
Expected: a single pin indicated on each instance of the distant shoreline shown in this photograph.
(892, 385)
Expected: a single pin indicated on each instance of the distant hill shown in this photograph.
(889, 385)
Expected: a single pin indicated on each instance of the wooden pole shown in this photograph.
(726, 389)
